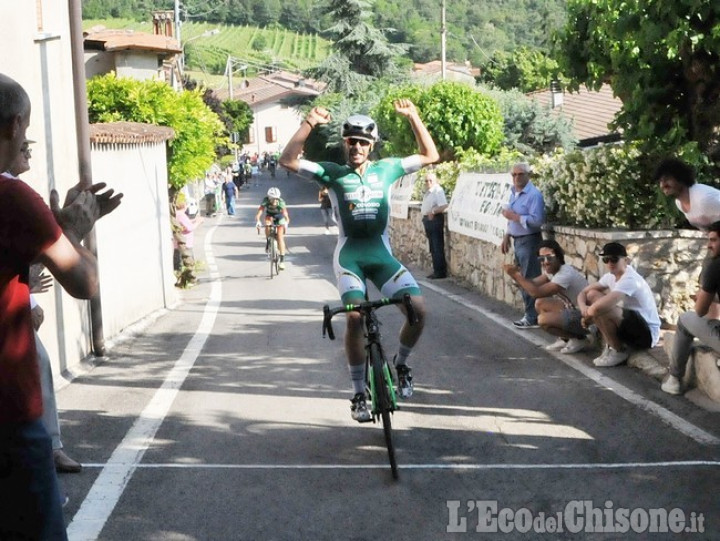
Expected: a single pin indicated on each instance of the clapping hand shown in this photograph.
(39, 281)
(82, 208)
(511, 270)
(107, 201)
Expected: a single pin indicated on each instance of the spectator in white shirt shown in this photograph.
(622, 306)
(556, 291)
(433, 218)
(699, 203)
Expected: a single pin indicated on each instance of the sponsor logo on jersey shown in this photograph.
(363, 194)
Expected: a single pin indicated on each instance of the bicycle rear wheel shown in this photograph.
(383, 402)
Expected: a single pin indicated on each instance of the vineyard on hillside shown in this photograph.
(207, 45)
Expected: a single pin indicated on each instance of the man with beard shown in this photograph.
(360, 193)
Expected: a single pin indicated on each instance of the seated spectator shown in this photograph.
(555, 292)
(696, 323)
(622, 307)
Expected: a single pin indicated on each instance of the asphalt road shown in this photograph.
(227, 418)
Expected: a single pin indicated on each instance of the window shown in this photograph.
(270, 134)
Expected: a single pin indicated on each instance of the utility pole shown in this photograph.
(228, 69)
(177, 20)
(443, 31)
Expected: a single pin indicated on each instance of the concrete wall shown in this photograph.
(669, 260)
(135, 241)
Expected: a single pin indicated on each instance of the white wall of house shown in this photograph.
(98, 63)
(135, 256)
(38, 56)
(138, 65)
(41, 62)
(282, 120)
(131, 64)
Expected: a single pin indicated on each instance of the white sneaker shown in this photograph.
(575, 345)
(557, 345)
(672, 385)
(613, 358)
(602, 356)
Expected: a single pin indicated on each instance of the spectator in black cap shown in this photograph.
(622, 307)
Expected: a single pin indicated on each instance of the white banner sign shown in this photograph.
(476, 204)
(400, 195)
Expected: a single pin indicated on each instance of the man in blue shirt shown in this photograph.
(526, 215)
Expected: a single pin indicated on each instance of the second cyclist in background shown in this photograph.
(276, 213)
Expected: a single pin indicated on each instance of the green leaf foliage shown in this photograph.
(608, 186)
(198, 130)
(524, 69)
(662, 59)
(457, 116)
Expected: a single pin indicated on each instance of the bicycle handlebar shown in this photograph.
(365, 307)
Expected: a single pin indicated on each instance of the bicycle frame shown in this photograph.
(273, 248)
(378, 378)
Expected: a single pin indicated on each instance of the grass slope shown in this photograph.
(208, 45)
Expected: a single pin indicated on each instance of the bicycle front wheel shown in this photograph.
(382, 402)
(274, 258)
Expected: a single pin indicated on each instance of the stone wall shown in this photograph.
(669, 260)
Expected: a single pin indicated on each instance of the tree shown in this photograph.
(525, 69)
(531, 128)
(662, 60)
(361, 52)
(197, 129)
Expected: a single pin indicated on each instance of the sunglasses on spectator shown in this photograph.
(362, 142)
(546, 258)
(611, 259)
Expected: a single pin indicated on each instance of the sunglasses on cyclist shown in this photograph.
(351, 141)
(611, 259)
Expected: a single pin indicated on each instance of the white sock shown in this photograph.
(357, 375)
(402, 356)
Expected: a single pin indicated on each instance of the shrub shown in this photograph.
(458, 117)
(608, 186)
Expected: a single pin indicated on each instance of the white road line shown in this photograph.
(675, 421)
(450, 466)
(90, 519)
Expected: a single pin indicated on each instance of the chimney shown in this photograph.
(163, 23)
(556, 94)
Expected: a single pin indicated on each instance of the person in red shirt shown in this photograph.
(30, 232)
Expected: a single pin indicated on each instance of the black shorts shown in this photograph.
(634, 330)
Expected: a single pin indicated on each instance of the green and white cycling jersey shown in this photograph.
(274, 212)
(362, 204)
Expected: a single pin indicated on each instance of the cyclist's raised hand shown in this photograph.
(318, 115)
(258, 225)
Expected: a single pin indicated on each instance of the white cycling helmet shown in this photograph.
(273, 193)
(361, 127)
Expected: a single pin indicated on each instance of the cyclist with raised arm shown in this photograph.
(276, 213)
(360, 192)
